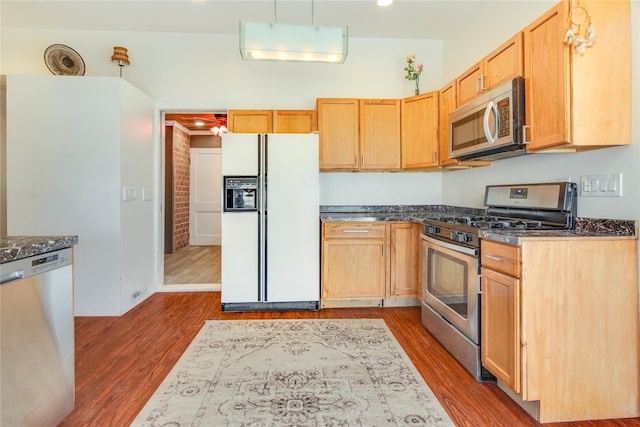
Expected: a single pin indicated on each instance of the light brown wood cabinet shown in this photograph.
(250, 121)
(294, 121)
(419, 119)
(576, 102)
(380, 134)
(271, 121)
(339, 133)
(353, 263)
(447, 105)
(504, 63)
(368, 263)
(560, 325)
(404, 243)
(501, 312)
(359, 134)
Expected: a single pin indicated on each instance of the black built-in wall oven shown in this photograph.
(450, 252)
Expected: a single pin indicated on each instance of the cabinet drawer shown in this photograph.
(500, 257)
(351, 230)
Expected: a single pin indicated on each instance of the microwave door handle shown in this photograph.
(491, 108)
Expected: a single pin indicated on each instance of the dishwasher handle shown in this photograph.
(11, 277)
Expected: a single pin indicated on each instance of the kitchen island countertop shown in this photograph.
(13, 248)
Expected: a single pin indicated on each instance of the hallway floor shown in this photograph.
(192, 265)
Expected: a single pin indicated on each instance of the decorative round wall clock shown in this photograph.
(61, 60)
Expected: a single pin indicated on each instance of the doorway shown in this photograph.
(192, 182)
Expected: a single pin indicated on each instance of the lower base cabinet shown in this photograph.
(353, 263)
(560, 326)
(404, 252)
(367, 263)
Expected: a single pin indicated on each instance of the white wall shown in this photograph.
(371, 188)
(64, 174)
(137, 159)
(176, 71)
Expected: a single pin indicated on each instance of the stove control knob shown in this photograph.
(464, 237)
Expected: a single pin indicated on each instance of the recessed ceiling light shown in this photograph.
(384, 3)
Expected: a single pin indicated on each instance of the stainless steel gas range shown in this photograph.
(450, 251)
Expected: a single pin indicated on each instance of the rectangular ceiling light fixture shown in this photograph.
(264, 41)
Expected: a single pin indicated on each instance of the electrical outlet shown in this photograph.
(138, 293)
(609, 185)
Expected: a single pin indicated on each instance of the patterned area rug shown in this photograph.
(268, 373)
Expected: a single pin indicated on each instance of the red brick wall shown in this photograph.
(181, 177)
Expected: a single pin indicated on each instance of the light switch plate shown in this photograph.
(129, 193)
(609, 185)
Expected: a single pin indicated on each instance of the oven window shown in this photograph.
(447, 281)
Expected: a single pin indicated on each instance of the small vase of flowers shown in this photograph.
(413, 71)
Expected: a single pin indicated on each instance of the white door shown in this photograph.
(205, 196)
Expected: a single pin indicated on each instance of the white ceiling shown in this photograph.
(428, 19)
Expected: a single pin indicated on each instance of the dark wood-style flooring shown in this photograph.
(120, 361)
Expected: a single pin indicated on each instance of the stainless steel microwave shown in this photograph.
(490, 126)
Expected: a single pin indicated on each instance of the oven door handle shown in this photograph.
(452, 246)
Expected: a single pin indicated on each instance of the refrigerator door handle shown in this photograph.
(261, 221)
(259, 275)
(265, 212)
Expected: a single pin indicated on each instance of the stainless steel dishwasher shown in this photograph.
(36, 340)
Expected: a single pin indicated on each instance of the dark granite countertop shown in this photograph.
(403, 213)
(515, 237)
(585, 227)
(13, 248)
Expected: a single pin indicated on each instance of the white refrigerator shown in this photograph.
(270, 222)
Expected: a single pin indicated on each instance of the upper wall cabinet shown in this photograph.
(379, 134)
(502, 64)
(294, 121)
(447, 105)
(577, 101)
(250, 121)
(268, 121)
(420, 131)
(359, 134)
(339, 133)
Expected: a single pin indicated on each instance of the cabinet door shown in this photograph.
(420, 131)
(468, 84)
(250, 121)
(380, 134)
(294, 121)
(609, 123)
(504, 63)
(500, 321)
(405, 248)
(338, 128)
(546, 62)
(447, 105)
(353, 268)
